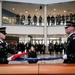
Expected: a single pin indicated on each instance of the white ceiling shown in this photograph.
(40, 1)
(19, 8)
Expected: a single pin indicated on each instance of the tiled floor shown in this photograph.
(58, 61)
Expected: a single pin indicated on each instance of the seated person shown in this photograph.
(32, 54)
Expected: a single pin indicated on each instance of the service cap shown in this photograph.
(3, 30)
(69, 23)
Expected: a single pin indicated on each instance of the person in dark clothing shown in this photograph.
(4, 49)
(32, 54)
(56, 47)
(40, 20)
(36, 47)
(48, 20)
(51, 48)
(17, 19)
(35, 19)
(61, 47)
(27, 46)
(22, 46)
(43, 48)
(39, 48)
(29, 19)
(69, 56)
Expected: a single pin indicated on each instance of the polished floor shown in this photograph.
(57, 61)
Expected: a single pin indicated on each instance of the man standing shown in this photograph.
(69, 56)
(4, 49)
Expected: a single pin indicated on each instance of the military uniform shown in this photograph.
(70, 47)
(4, 49)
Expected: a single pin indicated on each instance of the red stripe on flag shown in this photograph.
(18, 55)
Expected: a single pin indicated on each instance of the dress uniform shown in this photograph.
(4, 49)
(70, 52)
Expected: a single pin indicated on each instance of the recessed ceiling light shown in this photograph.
(64, 10)
(21, 13)
(26, 11)
(13, 9)
(36, 9)
(54, 9)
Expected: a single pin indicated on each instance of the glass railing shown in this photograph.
(26, 22)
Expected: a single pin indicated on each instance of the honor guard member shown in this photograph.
(4, 49)
(69, 56)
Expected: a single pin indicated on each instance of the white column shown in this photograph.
(45, 26)
(0, 13)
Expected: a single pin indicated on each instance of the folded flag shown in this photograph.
(18, 55)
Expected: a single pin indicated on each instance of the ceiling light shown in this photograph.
(36, 9)
(4, 17)
(54, 9)
(26, 11)
(21, 13)
(64, 10)
(13, 9)
(13, 35)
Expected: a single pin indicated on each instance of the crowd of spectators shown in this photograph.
(40, 47)
(51, 19)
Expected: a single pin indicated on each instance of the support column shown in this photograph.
(45, 27)
(0, 13)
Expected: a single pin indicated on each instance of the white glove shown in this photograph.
(64, 56)
(19, 52)
(9, 58)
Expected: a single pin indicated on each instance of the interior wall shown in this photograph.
(34, 30)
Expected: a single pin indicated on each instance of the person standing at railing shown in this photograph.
(48, 20)
(22, 19)
(35, 19)
(40, 20)
(63, 19)
(17, 19)
(29, 19)
(52, 20)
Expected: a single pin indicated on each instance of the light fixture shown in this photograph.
(13, 35)
(54, 9)
(4, 17)
(21, 13)
(64, 10)
(13, 9)
(36, 9)
(26, 11)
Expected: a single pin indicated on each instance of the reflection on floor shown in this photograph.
(58, 61)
